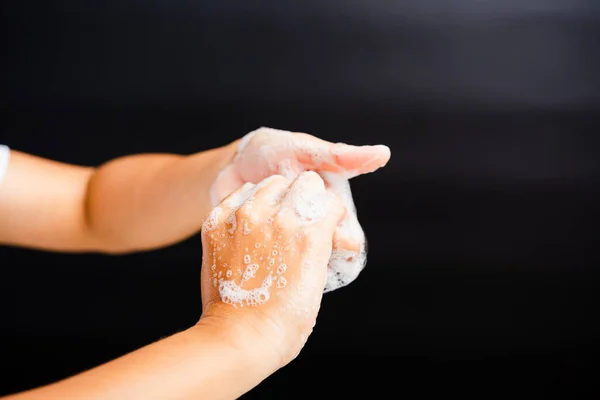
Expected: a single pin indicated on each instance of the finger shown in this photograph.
(305, 199)
(318, 154)
(238, 197)
(225, 211)
(222, 211)
(270, 191)
(267, 195)
(358, 160)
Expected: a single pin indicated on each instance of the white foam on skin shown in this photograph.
(212, 220)
(234, 294)
(236, 200)
(311, 204)
(229, 290)
(344, 265)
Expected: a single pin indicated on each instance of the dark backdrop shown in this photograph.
(482, 229)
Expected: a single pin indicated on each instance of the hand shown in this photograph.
(265, 254)
(266, 152)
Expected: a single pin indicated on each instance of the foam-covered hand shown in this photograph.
(266, 152)
(265, 252)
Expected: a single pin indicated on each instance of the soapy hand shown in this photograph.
(267, 152)
(265, 254)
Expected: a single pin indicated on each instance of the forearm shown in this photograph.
(200, 363)
(132, 203)
(148, 201)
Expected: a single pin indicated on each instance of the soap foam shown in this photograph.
(232, 220)
(232, 293)
(309, 205)
(212, 220)
(344, 265)
(249, 272)
(236, 200)
(281, 282)
(281, 269)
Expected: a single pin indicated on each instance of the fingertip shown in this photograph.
(385, 151)
(275, 179)
(311, 178)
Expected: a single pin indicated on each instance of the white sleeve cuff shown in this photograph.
(4, 158)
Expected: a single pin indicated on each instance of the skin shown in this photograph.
(145, 202)
(291, 253)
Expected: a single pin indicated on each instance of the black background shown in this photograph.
(482, 230)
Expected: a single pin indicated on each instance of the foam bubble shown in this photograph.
(281, 269)
(232, 293)
(247, 230)
(281, 282)
(212, 220)
(344, 267)
(247, 259)
(311, 208)
(231, 220)
(249, 272)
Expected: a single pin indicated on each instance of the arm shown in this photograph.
(252, 323)
(143, 202)
(132, 203)
(209, 361)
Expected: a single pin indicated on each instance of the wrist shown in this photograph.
(240, 334)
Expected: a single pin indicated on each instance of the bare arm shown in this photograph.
(132, 203)
(147, 201)
(252, 323)
(209, 361)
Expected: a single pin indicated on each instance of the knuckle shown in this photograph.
(287, 220)
(273, 181)
(279, 180)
